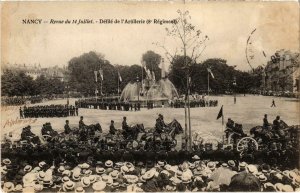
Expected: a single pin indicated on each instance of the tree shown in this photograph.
(193, 43)
(42, 85)
(177, 73)
(82, 76)
(152, 61)
(17, 84)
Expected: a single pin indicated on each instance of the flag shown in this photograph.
(101, 74)
(95, 72)
(120, 78)
(209, 70)
(153, 76)
(220, 114)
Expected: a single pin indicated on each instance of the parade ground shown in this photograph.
(248, 111)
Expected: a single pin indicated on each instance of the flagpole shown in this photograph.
(118, 83)
(207, 83)
(223, 124)
(96, 85)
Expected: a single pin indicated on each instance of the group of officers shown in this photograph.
(41, 111)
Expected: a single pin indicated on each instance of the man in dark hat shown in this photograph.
(81, 123)
(126, 129)
(67, 127)
(125, 126)
(112, 129)
(230, 123)
(266, 122)
(160, 124)
(276, 126)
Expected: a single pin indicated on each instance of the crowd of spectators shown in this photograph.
(196, 175)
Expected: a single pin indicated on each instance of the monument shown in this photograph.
(160, 92)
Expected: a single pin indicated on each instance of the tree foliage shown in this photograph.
(152, 61)
(82, 78)
(20, 84)
(223, 77)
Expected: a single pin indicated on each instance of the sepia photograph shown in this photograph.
(197, 96)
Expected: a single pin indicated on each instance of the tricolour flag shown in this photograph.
(120, 78)
(220, 114)
(209, 70)
(101, 74)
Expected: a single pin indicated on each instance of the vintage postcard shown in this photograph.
(150, 96)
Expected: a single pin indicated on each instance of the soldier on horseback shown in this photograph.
(277, 128)
(266, 122)
(48, 130)
(230, 126)
(67, 127)
(160, 124)
(125, 126)
(235, 129)
(126, 129)
(112, 129)
(81, 123)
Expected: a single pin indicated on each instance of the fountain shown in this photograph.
(159, 92)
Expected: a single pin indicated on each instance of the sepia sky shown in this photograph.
(227, 25)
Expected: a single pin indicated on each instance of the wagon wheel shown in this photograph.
(245, 142)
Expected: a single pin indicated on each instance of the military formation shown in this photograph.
(120, 106)
(195, 103)
(46, 111)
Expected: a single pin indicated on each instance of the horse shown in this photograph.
(268, 133)
(174, 128)
(92, 129)
(133, 131)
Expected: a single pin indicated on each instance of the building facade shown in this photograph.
(35, 70)
(282, 72)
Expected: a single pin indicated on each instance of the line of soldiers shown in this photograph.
(195, 103)
(48, 111)
(121, 106)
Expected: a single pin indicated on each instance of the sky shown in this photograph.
(228, 26)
